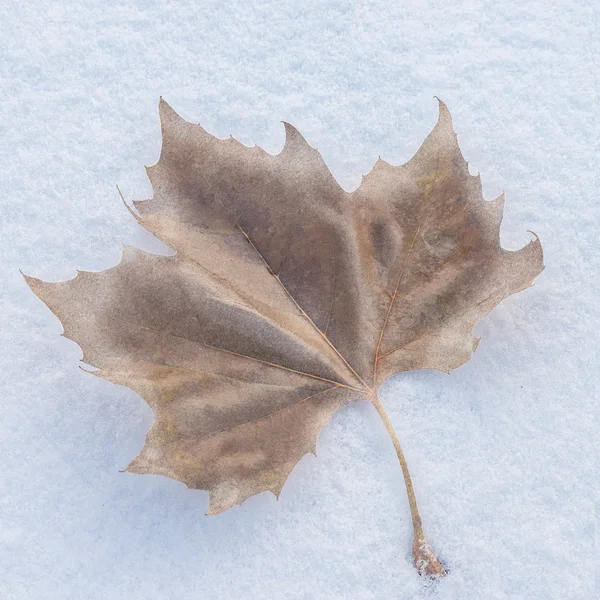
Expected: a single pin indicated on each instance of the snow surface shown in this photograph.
(502, 451)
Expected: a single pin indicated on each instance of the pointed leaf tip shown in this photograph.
(30, 281)
(166, 113)
(444, 116)
(293, 138)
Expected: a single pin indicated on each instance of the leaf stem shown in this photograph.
(425, 560)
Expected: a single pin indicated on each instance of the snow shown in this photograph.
(502, 450)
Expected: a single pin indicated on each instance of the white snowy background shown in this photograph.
(502, 451)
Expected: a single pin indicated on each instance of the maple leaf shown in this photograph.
(287, 298)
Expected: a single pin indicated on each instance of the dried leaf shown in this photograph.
(287, 298)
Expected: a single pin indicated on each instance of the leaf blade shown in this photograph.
(287, 297)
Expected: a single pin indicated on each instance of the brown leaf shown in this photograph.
(288, 297)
